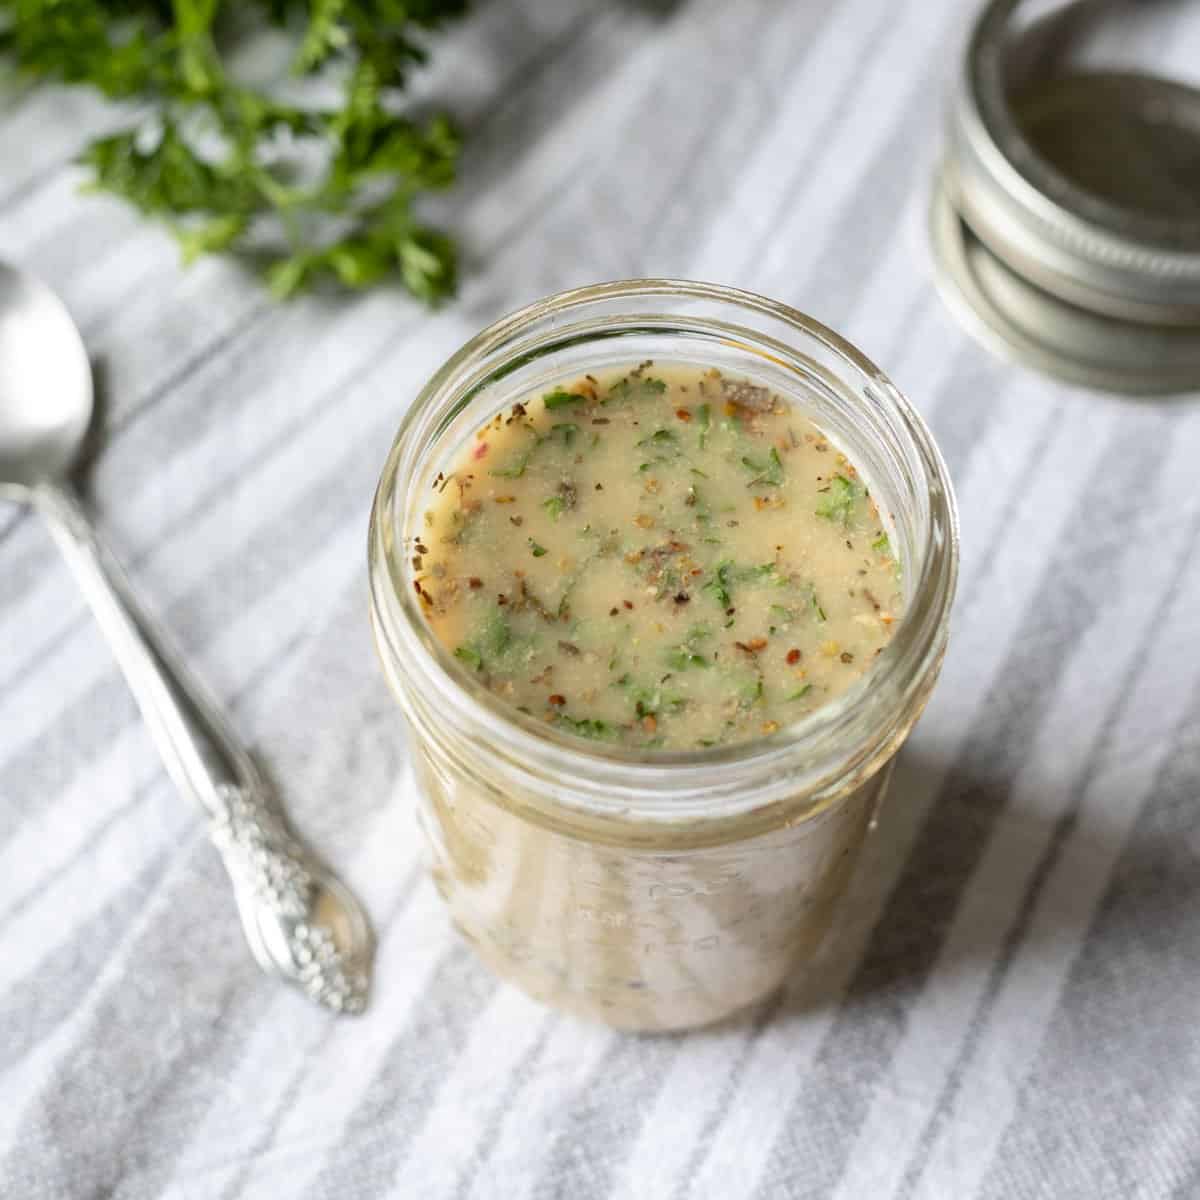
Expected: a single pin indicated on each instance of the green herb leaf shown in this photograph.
(538, 551)
(815, 604)
(757, 574)
(563, 432)
(718, 586)
(838, 504)
(588, 727)
(704, 420)
(492, 637)
(660, 439)
(314, 192)
(799, 694)
(470, 656)
(882, 544)
(554, 506)
(679, 658)
(769, 472)
(559, 398)
(644, 387)
(516, 465)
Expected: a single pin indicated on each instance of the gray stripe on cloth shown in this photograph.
(767, 1013)
(733, 60)
(595, 1131)
(301, 1071)
(875, 41)
(1065, 827)
(518, 1081)
(197, 995)
(100, 937)
(34, 1007)
(729, 59)
(39, 557)
(43, 767)
(1188, 1187)
(142, 796)
(866, 225)
(422, 1054)
(155, 1033)
(812, 1150)
(1104, 1099)
(379, 1131)
(144, 461)
(37, 179)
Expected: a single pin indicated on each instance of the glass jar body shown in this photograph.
(667, 890)
(641, 938)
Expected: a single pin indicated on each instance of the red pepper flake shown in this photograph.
(474, 583)
(558, 700)
(683, 414)
(793, 657)
(649, 723)
(682, 597)
(612, 612)
(627, 604)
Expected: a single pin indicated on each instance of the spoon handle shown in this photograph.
(301, 922)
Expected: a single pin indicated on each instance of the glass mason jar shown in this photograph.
(665, 890)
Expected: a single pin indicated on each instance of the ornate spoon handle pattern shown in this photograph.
(301, 922)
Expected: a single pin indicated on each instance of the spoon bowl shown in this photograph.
(45, 385)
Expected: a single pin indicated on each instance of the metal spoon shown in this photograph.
(301, 922)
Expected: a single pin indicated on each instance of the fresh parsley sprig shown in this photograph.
(311, 192)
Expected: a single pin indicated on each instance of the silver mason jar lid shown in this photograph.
(1067, 213)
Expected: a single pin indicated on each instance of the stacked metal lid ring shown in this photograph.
(1066, 217)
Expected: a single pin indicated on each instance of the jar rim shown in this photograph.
(709, 782)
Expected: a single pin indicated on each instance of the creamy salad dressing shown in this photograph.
(658, 557)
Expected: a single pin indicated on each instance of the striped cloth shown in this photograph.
(1009, 1006)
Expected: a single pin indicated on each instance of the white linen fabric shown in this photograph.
(1009, 1005)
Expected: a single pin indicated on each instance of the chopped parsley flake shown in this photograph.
(560, 398)
(838, 504)
(769, 472)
